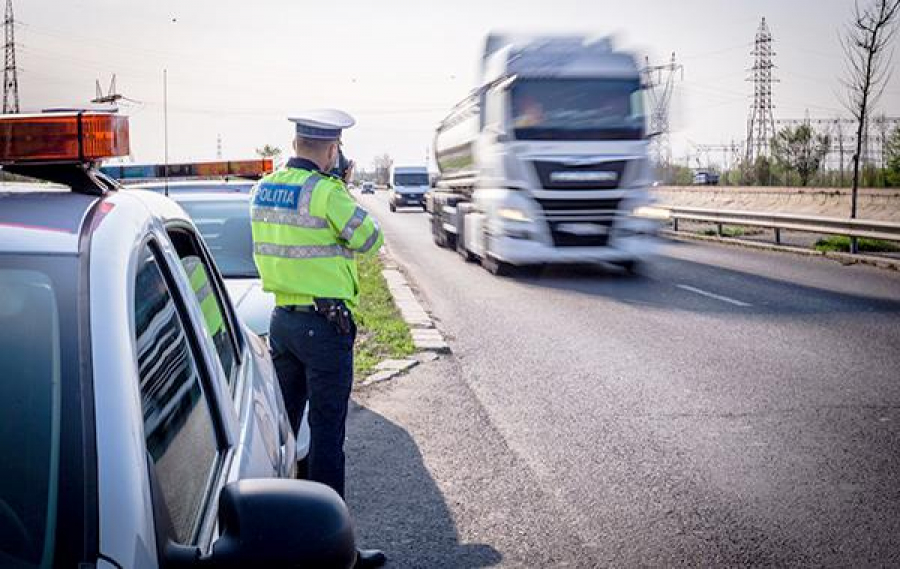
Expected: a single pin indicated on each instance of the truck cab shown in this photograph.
(547, 158)
(407, 186)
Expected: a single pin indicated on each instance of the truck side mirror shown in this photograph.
(497, 133)
(281, 523)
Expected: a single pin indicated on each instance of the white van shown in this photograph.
(407, 186)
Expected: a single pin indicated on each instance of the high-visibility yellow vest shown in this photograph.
(306, 231)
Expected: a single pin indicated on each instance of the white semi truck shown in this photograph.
(546, 161)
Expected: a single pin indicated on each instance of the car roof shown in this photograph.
(48, 219)
(41, 218)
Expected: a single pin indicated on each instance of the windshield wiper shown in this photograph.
(248, 275)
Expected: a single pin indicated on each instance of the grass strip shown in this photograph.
(382, 332)
(842, 244)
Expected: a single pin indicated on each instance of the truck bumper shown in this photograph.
(526, 252)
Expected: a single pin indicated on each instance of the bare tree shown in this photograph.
(866, 47)
(382, 166)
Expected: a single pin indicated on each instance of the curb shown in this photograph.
(843, 258)
(427, 339)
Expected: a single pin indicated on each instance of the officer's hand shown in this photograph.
(348, 174)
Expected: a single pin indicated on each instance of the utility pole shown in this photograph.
(760, 122)
(659, 80)
(10, 71)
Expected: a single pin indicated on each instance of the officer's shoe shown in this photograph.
(369, 558)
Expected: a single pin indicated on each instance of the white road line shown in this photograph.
(713, 295)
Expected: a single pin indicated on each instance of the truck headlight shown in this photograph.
(513, 214)
(649, 212)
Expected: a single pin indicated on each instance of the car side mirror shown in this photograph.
(280, 523)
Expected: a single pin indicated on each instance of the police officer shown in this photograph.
(307, 230)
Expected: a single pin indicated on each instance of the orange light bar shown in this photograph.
(222, 169)
(62, 137)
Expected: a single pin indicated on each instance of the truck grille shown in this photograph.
(562, 213)
(562, 176)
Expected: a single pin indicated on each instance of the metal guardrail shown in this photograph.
(858, 228)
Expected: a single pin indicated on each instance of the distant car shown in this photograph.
(704, 178)
(368, 188)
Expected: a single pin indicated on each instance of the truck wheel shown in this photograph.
(464, 253)
(496, 267)
(441, 238)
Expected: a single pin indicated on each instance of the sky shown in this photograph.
(238, 69)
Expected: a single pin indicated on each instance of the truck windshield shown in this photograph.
(410, 179)
(39, 366)
(577, 109)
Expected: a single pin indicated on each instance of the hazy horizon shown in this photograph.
(238, 70)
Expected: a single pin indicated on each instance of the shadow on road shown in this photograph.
(395, 503)
(658, 283)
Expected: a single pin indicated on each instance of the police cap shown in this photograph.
(322, 124)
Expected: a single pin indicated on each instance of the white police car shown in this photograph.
(142, 424)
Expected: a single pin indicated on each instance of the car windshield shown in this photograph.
(410, 179)
(225, 226)
(577, 109)
(38, 366)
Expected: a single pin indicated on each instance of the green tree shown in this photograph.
(761, 172)
(893, 158)
(800, 150)
(273, 152)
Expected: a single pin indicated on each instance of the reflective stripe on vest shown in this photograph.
(367, 246)
(281, 204)
(301, 251)
(353, 224)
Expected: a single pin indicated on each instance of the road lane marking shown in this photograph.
(713, 295)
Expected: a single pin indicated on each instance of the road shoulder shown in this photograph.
(432, 482)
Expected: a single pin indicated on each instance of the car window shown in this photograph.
(213, 314)
(216, 316)
(178, 424)
(30, 407)
(225, 226)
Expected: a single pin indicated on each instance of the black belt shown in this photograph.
(300, 308)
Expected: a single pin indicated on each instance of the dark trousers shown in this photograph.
(315, 363)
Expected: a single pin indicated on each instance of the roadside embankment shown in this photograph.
(880, 204)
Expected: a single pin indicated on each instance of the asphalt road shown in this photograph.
(725, 407)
